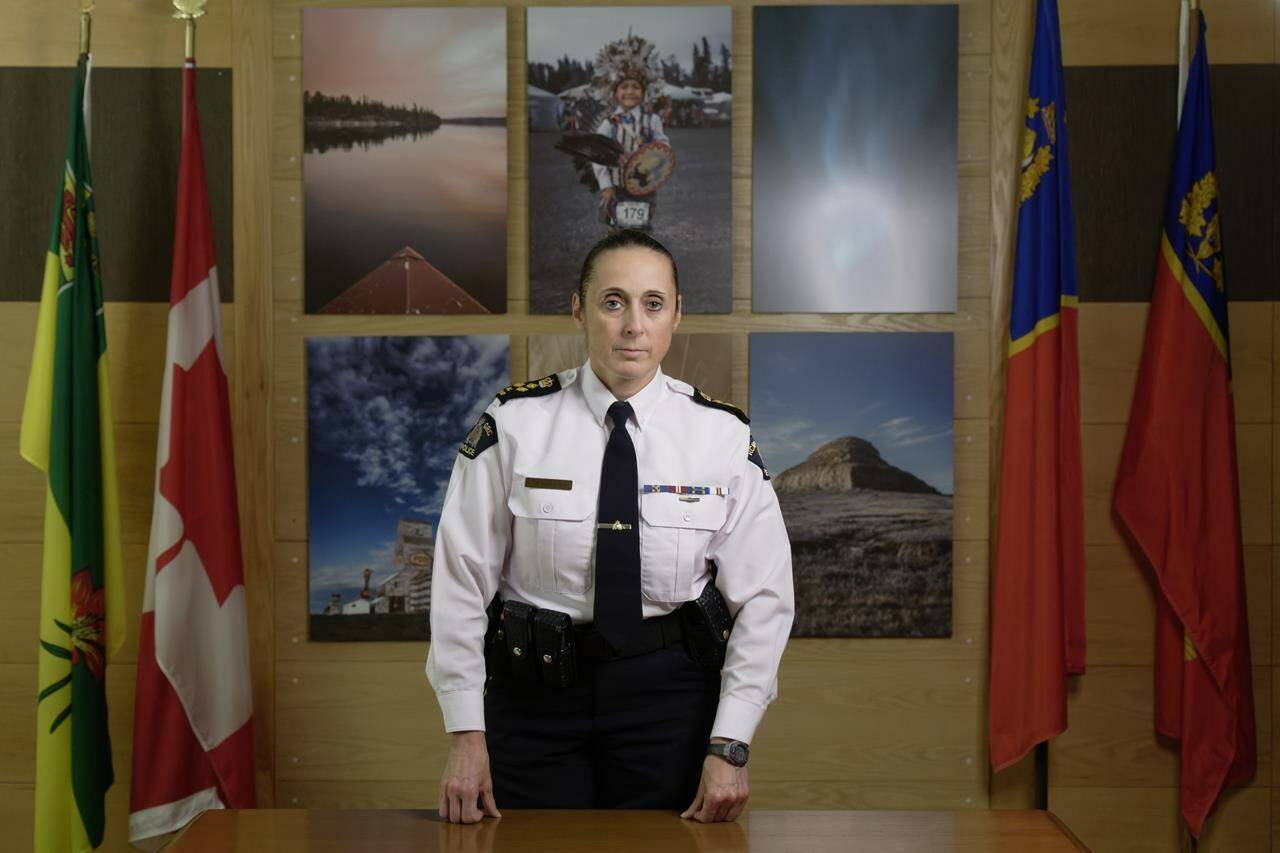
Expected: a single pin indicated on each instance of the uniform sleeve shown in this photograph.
(603, 180)
(753, 559)
(470, 550)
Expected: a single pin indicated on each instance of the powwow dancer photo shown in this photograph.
(630, 154)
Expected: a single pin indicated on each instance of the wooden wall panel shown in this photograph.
(371, 720)
(1119, 198)
(378, 720)
(18, 804)
(19, 619)
(974, 265)
(19, 685)
(972, 388)
(135, 354)
(1145, 32)
(1275, 606)
(22, 486)
(1111, 338)
(1101, 445)
(252, 403)
(1145, 820)
(880, 722)
(129, 33)
(973, 131)
(1120, 610)
(1110, 735)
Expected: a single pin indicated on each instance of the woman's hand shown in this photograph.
(722, 791)
(466, 786)
(608, 196)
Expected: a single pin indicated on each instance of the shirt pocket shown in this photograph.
(554, 538)
(674, 535)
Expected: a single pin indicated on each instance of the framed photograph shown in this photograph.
(385, 419)
(854, 205)
(856, 431)
(629, 114)
(405, 160)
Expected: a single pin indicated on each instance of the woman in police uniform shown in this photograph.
(611, 590)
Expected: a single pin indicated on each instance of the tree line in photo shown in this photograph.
(706, 73)
(341, 121)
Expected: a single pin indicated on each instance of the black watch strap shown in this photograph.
(735, 752)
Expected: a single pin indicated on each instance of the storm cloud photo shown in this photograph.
(386, 416)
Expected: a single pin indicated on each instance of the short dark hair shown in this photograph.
(621, 240)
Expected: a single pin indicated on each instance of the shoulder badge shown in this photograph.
(482, 436)
(753, 454)
(535, 388)
(699, 397)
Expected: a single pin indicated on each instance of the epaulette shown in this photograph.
(702, 398)
(535, 388)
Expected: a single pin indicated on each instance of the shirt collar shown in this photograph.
(600, 398)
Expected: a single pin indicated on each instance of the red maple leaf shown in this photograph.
(199, 477)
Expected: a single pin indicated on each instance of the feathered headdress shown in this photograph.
(632, 57)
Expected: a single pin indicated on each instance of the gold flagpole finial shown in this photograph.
(189, 10)
(86, 24)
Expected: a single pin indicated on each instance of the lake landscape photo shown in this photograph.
(405, 160)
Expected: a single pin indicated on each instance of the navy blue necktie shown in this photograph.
(617, 606)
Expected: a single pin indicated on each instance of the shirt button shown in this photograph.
(688, 517)
(546, 507)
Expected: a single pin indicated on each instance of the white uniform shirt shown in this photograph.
(629, 136)
(537, 545)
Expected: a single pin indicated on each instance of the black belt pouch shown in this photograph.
(517, 629)
(495, 644)
(707, 625)
(553, 635)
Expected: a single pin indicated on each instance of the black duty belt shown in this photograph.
(539, 645)
(656, 633)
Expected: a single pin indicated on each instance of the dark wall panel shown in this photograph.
(136, 118)
(1122, 128)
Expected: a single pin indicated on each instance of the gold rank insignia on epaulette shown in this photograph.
(705, 400)
(482, 436)
(533, 388)
(753, 453)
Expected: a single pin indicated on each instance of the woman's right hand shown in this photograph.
(466, 788)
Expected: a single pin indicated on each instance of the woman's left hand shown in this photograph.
(722, 792)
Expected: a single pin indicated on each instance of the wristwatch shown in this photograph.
(734, 752)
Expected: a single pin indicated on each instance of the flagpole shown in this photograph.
(1187, 38)
(189, 10)
(86, 25)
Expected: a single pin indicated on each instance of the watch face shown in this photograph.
(738, 753)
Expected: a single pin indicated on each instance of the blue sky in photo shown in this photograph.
(893, 389)
(385, 418)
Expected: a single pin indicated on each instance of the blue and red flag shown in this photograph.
(1037, 605)
(1177, 491)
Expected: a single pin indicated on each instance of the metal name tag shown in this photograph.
(631, 213)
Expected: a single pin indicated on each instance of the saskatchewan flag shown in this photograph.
(66, 433)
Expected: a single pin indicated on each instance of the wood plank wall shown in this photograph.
(859, 723)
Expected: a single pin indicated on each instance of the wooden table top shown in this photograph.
(422, 831)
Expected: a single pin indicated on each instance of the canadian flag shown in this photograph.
(193, 715)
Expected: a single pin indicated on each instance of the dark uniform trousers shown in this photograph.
(631, 734)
